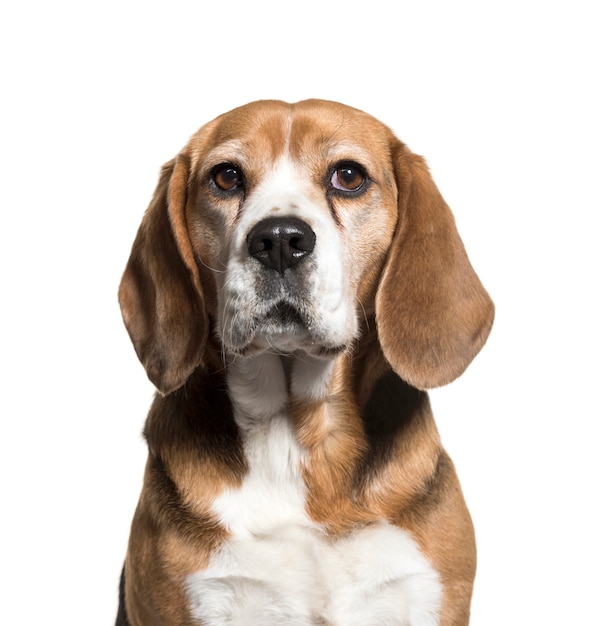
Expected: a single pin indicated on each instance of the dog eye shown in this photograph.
(227, 177)
(348, 177)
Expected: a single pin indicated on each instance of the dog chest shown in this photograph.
(296, 575)
(278, 566)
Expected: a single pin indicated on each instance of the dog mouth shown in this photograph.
(284, 315)
(282, 324)
(285, 329)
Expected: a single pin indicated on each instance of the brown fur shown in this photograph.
(374, 451)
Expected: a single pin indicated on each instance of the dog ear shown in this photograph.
(433, 314)
(160, 294)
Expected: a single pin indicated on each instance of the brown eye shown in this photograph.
(227, 177)
(348, 177)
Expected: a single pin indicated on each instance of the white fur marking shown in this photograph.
(296, 575)
(311, 377)
(257, 387)
(272, 493)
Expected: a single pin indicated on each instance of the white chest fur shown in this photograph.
(295, 575)
(278, 567)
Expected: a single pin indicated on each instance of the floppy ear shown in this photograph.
(433, 314)
(160, 294)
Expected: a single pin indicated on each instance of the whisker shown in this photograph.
(364, 315)
(199, 261)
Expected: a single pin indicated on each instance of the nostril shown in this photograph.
(267, 244)
(296, 243)
(280, 243)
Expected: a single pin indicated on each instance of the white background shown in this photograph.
(499, 97)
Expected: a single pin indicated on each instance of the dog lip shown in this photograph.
(285, 314)
(288, 341)
(285, 329)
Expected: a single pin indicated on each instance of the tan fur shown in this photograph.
(334, 438)
(424, 316)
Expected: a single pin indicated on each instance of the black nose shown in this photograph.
(280, 243)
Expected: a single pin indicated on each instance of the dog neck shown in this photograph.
(267, 385)
(318, 419)
(306, 406)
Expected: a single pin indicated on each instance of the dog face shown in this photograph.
(295, 229)
(292, 214)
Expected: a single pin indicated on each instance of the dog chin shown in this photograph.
(284, 330)
(289, 341)
(283, 341)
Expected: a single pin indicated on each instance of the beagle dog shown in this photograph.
(295, 286)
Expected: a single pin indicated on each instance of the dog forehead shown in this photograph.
(320, 125)
(309, 130)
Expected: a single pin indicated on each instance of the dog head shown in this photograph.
(295, 229)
